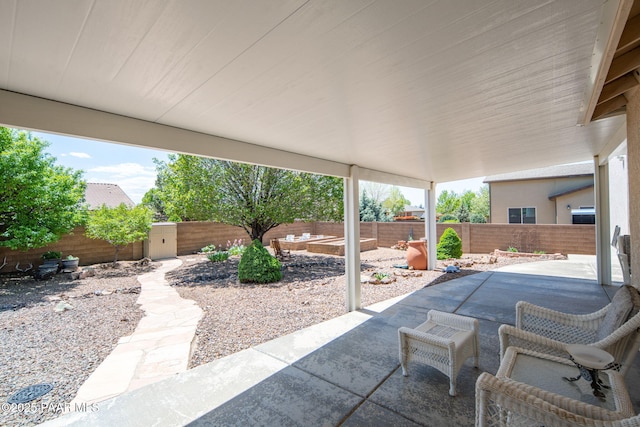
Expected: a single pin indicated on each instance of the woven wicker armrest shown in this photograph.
(511, 336)
(500, 399)
(453, 320)
(623, 343)
(533, 316)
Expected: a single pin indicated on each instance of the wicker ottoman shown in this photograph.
(444, 342)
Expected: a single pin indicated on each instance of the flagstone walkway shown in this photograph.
(159, 347)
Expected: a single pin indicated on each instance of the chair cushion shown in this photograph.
(617, 314)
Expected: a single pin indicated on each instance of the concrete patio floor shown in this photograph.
(346, 371)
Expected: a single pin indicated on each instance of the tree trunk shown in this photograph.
(259, 230)
(257, 233)
(115, 260)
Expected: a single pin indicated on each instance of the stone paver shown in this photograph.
(344, 371)
(160, 346)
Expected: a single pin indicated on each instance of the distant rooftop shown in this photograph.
(561, 171)
(411, 208)
(112, 195)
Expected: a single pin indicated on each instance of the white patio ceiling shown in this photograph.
(432, 90)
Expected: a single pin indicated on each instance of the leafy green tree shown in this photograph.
(449, 218)
(476, 218)
(255, 198)
(480, 204)
(39, 200)
(467, 207)
(448, 203)
(376, 191)
(119, 226)
(395, 202)
(152, 200)
(464, 210)
(370, 210)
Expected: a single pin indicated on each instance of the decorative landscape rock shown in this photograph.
(62, 306)
(45, 272)
(83, 274)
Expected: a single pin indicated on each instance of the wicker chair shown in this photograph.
(443, 342)
(504, 402)
(549, 331)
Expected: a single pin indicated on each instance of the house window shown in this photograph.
(522, 215)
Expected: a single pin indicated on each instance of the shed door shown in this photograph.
(163, 242)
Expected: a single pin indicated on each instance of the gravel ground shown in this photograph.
(238, 316)
(39, 345)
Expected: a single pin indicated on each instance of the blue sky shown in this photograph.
(132, 168)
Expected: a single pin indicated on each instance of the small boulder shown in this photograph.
(62, 306)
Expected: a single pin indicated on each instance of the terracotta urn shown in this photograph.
(417, 255)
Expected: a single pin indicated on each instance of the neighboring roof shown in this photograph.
(561, 171)
(409, 208)
(112, 195)
(569, 191)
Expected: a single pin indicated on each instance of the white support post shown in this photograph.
(430, 225)
(352, 238)
(603, 222)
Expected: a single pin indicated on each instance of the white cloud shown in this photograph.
(133, 178)
(79, 155)
(124, 170)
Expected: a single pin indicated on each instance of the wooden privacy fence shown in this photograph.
(192, 236)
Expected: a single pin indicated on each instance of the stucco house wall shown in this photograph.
(579, 199)
(553, 191)
(535, 193)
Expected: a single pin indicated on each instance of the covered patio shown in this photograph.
(402, 93)
(346, 371)
(406, 93)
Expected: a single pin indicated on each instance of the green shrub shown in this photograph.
(52, 255)
(381, 276)
(257, 265)
(477, 218)
(512, 249)
(450, 245)
(218, 256)
(208, 249)
(539, 252)
(449, 218)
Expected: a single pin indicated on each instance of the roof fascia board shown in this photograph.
(613, 20)
(29, 112)
(570, 191)
(613, 143)
(574, 175)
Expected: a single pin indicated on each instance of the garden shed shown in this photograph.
(162, 241)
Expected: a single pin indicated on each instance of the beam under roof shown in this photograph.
(29, 112)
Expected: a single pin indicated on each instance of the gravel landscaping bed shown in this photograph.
(238, 316)
(40, 345)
